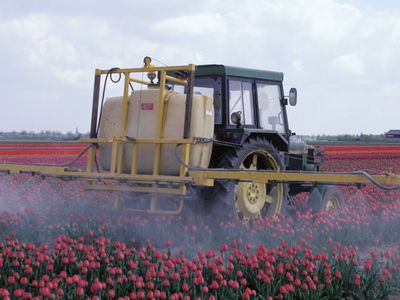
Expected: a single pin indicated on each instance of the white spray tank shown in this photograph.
(142, 122)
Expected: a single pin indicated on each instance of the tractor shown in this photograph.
(210, 135)
(251, 132)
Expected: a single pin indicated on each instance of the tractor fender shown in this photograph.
(243, 135)
(275, 138)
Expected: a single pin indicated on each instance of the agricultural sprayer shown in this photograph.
(213, 135)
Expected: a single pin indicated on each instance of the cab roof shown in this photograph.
(207, 70)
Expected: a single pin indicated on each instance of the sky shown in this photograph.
(341, 55)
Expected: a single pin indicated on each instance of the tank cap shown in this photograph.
(147, 61)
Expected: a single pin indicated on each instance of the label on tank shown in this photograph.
(147, 106)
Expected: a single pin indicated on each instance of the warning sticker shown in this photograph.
(147, 106)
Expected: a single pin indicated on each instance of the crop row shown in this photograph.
(60, 241)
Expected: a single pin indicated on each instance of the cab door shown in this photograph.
(271, 112)
(241, 101)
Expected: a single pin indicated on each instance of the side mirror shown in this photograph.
(293, 96)
(236, 118)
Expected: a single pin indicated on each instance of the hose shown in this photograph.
(374, 182)
(182, 162)
(109, 74)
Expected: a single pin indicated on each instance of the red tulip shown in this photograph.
(18, 293)
(111, 293)
(80, 292)
(338, 275)
(44, 291)
(357, 280)
(368, 265)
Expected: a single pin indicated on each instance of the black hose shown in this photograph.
(374, 182)
(103, 93)
(109, 74)
(182, 162)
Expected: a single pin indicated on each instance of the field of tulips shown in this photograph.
(59, 241)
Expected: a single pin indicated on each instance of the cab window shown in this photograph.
(269, 106)
(241, 101)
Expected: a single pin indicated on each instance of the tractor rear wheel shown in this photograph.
(330, 199)
(249, 200)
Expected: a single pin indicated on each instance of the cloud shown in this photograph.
(198, 24)
(350, 63)
(327, 21)
(315, 43)
(73, 76)
(34, 33)
(297, 65)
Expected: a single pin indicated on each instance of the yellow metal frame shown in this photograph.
(207, 177)
(156, 183)
(118, 142)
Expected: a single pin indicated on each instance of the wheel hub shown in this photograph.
(331, 204)
(250, 198)
(253, 192)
